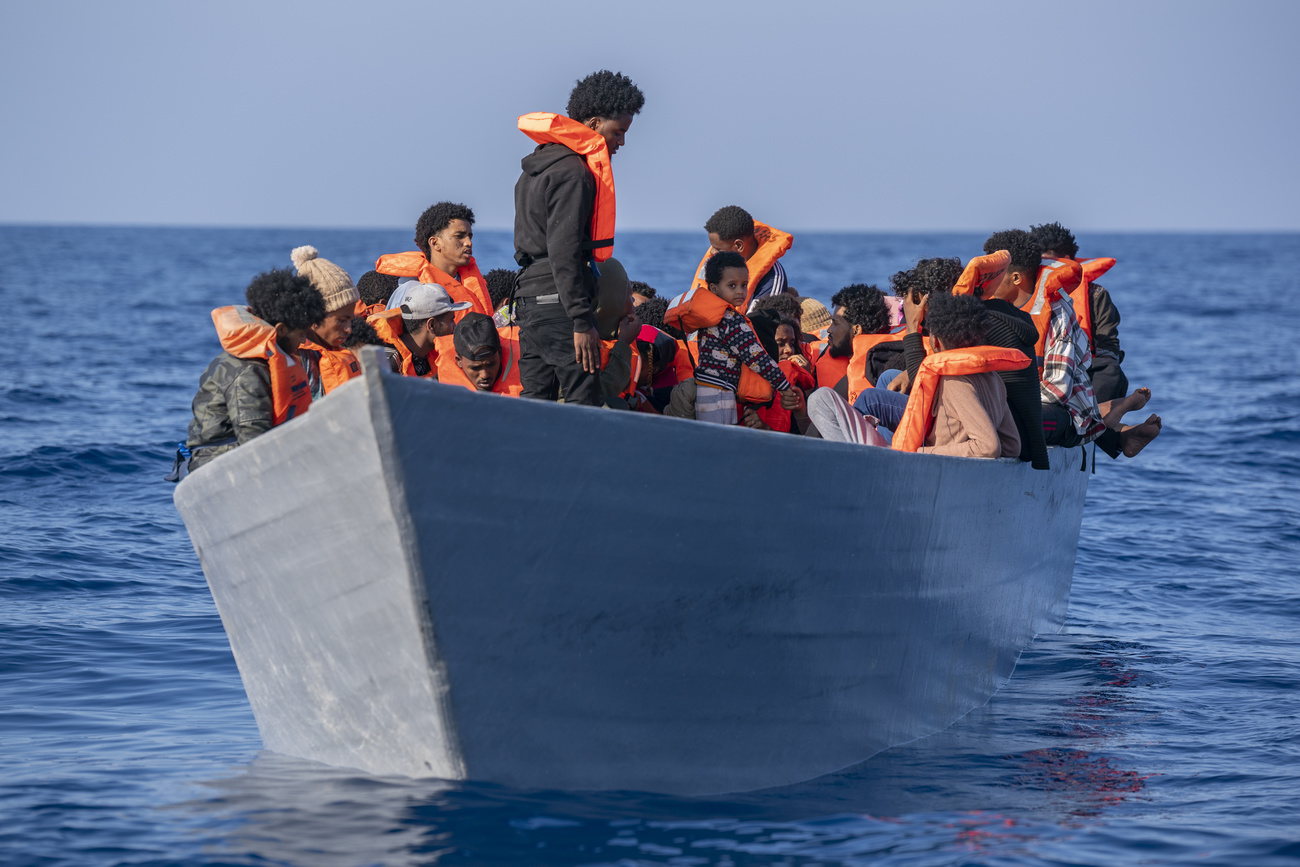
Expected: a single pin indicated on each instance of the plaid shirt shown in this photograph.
(1066, 360)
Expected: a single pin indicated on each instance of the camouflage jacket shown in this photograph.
(233, 406)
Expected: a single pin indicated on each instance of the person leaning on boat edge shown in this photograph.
(555, 199)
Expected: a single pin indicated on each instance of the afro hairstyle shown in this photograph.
(958, 320)
(1026, 254)
(499, 283)
(606, 95)
(1057, 238)
(643, 289)
(730, 222)
(652, 312)
(436, 218)
(929, 275)
(363, 334)
(720, 262)
(280, 296)
(786, 305)
(376, 288)
(864, 306)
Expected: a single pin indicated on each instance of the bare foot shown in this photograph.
(1134, 437)
(1112, 411)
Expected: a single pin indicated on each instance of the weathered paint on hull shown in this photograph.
(421, 580)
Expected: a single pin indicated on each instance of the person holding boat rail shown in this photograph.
(564, 229)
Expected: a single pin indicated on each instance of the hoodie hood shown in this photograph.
(545, 156)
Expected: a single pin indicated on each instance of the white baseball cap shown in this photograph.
(426, 300)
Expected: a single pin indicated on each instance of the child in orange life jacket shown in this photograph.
(731, 343)
(235, 401)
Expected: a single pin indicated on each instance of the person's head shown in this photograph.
(606, 102)
(376, 288)
(478, 350)
(929, 276)
(1056, 240)
(613, 298)
(787, 340)
(335, 288)
(363, 334)
(856, 309)
(429, 312)
(787, 306)
(727, 276)
(732, 229)
(956, 321)
(445, 235)
(815, 315)
(641, 292)
(1026, 258)
(765, 323)
(651, 312)
(288, 302)
(499, 283)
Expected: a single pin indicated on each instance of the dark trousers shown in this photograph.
(1058, 430)
(547, 368)
(1108, 379)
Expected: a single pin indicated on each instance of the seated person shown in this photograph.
(374, 290)
(859, 321)
(499, 283)
(788, 346)
(323, 356)
(445, 235)
(363, 334)
(770, 414)
(731, 343)
(255, 383)
(732, 229)
(642, 292)
(484, 361)
(410, 331)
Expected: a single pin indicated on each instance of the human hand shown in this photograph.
(801, 361)
(750, 419)
(914, 310)
(586, 350)
(791, 398)
(900, 383)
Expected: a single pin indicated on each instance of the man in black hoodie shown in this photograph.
(556, 298)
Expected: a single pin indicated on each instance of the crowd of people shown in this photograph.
(1014, 351)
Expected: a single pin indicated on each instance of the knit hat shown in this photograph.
(815, 315)
(331, 281)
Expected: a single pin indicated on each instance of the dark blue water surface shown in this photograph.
(1161, 726)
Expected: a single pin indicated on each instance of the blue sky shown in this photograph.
(889, 116)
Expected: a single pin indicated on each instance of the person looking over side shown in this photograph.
(256, 382)
(323, 356)
(410, 331)
(732, 229)
(564, 229)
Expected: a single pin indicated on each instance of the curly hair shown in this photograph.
(864, 306)
(279, 295)
(730, 223)
(1026, 254)
(929, 275)
(720, 262)
(376, 288)
(786, 305)
(643, 289)
(604, 94)
(499, 283)
(652, 312)
(958, 320)
(436, 218)
(1057, 238)
(363, 334)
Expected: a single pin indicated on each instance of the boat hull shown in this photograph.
(421, 580)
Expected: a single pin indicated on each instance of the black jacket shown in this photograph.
(554, 198)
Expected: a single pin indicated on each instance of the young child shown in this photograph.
(730, 343)
(256, 383)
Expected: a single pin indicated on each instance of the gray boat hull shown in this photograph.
(421, 580)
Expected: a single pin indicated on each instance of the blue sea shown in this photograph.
(1160, 726)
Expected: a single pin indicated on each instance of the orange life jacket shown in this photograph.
(983, 273)
(776, 416)
(507, 380)
(859, 376)
(605, 347)
(467, 285)
(337, 366)
(388, 325)
(918, 418)
(830, 370)
(364, 309)
(1056, 277)
(683, 362)
(1082, 296)
(772, 245)
(698, 308)
(243, 335)
(546, 128)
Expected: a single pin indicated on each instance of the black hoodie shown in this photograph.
(554, 198)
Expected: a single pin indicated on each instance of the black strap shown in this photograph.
(524, 260)
(597, 245)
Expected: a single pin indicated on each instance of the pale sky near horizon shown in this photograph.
(836, 115)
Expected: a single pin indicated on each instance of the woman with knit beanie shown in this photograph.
(328, 364)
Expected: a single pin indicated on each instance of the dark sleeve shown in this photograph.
(1019, 333)
(570, 197)
(1105, 321)
(913, 353)
(1025, 403)
(248, 398)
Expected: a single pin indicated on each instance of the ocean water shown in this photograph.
(1161, 726)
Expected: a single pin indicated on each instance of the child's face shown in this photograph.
(731, 288)
(787, 343)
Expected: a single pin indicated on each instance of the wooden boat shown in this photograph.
(418, 579)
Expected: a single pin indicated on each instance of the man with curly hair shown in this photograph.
(445, 235)
(555, 200)
(857, 309)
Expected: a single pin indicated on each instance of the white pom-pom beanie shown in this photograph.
(331, 281)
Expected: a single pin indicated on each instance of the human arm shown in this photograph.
(249, 403)
(1105, 322)
(741, 341)
(570, 197)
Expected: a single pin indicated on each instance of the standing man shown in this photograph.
(564, 227)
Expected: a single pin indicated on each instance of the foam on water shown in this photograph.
(1159, 726)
